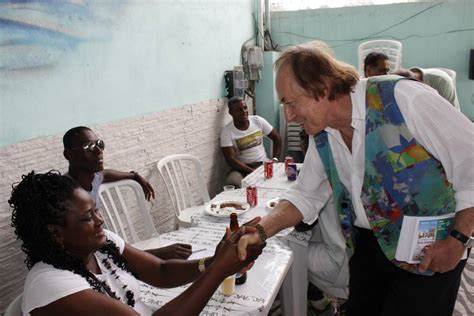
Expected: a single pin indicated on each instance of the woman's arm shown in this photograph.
(86, 302)
(161, 273)
(177, 272)
(172, 273)
(226, 263)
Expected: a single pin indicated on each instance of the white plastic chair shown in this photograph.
(293, 137)
(14, 308)
(184, 180)
(393, 49)
(117, 206)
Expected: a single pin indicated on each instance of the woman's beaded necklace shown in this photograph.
(129, 298)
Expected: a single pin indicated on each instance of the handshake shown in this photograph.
(238, 250)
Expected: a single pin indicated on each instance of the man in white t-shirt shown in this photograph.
(242, 141)
(440, 81)
(437, 79)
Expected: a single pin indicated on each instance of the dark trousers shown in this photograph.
(378, 287)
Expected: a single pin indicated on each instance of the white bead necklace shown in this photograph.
(127, 296)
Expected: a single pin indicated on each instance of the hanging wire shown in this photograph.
(374, 35)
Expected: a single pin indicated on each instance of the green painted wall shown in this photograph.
(267, 102)
(133, 58)
(430, 39)
(266, 98)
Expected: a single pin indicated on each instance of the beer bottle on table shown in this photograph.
(240, 278)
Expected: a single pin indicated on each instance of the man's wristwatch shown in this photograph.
(466, 240)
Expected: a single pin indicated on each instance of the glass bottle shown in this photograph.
(240, 278)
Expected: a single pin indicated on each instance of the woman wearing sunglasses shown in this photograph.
(79, 268)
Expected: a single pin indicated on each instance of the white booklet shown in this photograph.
(420, 232)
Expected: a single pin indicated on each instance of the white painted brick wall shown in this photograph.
(132, 144)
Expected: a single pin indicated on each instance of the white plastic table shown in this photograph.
(278, 181)
(294, 288)
(293, 291)
(263, 196)
(255, 297)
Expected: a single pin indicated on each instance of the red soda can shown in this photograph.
(288, 159)
(291, 172)
(251, 195)
(268, 169)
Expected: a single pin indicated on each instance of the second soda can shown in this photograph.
(268, 169)
(252, 195)
(291, 172)
(288, 159)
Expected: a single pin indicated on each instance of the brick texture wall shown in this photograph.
(132, 144)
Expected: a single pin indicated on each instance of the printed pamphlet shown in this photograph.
(420, 232)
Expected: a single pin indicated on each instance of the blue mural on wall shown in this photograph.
(38, 34)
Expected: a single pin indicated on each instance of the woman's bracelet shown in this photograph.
(202, 265)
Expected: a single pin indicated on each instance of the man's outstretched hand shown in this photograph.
(250, 237)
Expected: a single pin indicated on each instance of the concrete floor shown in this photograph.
(464, 304)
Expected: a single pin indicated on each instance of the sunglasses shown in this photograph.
(91, 146)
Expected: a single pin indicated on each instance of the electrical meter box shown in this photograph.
(239, 81)
(235, 82)
(254, 62)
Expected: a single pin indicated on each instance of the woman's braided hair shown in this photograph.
(40, 200)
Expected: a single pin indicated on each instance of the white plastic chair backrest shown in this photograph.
(14, 308)
(293, 136)
(290, 134)
(117, 214)
(393, 49)
(184, 181)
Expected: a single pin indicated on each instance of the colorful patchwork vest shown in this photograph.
(400, 178)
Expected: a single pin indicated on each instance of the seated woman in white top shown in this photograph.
(78, 268)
